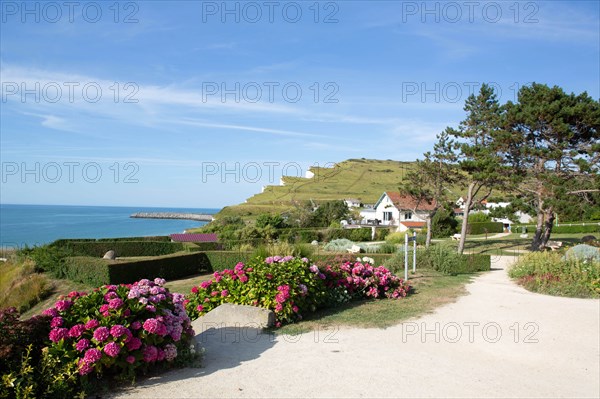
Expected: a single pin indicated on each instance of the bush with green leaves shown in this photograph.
(552, 273)
(339, 245)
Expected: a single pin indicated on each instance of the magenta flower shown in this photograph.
(61, 306)
(110, 295)
(117, 330)
(82, 345)
(134, 343)
(150, 353)
(101, 334)
(136, 325)
(56, 322)
(112, 349)
(90, 325)
(130, 359)
(115, 303)
(151, 325)
(92, 355)
(57, 334)
(224, 293)
(200, 308)
(151, 308)
(170, 352)
(103, 308)
(50, 312)
(76, 330)
(159, 281)
(84, 367)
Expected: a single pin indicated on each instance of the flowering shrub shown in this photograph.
(119, 329)
(292, 287)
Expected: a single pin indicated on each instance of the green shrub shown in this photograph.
(443, 259)
(485, 227)
(121, 248)
(221, 260)
(479, 217)
(551, 273)
(565, 229)
(49, 259)
(87, 270)
(395, 238)
(339, 245)
(381, 234)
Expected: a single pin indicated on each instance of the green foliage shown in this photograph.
(485, 228)
(266, 219)
(87, 270)
(49, 259)
(479, 217)
(443, 223)
(169, 267)
(381, 234)
(221, 260)
(21, 286)
(551, 273)
(395, 238)
(565, 229)
(328, 212)
(443, 259)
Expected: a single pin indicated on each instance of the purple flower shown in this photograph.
(110, 295)
(117, 330)
(150, 308)
(159, 281)
(112, 349)
(314, 269)
(50, 312)
(150, 353)
(82, 345)
(170, 352)
(76, 330)
(133, 293)
(92, 355)
(101, 334)
(136, 325)
(57, 334)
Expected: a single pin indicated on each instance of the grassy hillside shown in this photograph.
(364, 179)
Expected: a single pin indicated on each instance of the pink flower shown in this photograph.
(278, 308)
(103, 308)
(224, 293)
(82, 345)
(170, 352)
(117, 330)
(136, 325)
(61, 306)
(57, 334)
(200, 308)
(101, 334)
(84, 367)
(159, 281)
(92, 355)
(269, 276)
(151, 308)
(150, 353)
(50, 312)
(295, 309)
(112, 349)
(90, 325)
(244, 278)
(134, 343)
(130, 359)
(115, 303)
(194, 290)
(110, 295)
(151, 325)
(214, 293)
(76, 330)
(56, 322)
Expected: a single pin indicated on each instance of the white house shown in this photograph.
(394, 209)
(352, 203)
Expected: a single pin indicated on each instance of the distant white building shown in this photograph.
(352, 203)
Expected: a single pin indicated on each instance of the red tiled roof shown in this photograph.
(404, 202)
(207, 237)
(414, 224)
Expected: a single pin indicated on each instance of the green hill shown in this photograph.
(363, 179)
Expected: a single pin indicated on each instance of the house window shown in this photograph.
(387, 216)
(408, 215)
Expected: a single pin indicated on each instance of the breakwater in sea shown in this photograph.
(173, 215)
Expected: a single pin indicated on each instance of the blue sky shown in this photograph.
(201, 103)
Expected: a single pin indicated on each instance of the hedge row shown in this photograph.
(122, 248)
(326, 235)
(94, 271)
(62, 241)
(565, 229)
(485, 227)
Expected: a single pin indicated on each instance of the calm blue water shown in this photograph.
(22, 225)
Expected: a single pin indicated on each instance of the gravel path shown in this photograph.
(498, 341)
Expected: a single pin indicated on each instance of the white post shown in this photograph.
(414, 251)
(405, 256)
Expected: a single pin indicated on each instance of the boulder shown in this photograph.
(314, 242)
(589, 238)
(236, 316)
(111, 255)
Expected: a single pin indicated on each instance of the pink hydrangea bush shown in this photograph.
(293, 287)
(119, 329)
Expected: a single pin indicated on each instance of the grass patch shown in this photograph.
(431, 289)
(20, 286)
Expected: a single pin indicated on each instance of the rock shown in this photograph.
(237, 316)
(588, 238)
(314, 242)
(111, 255)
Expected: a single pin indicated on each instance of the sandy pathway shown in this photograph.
(498, 341)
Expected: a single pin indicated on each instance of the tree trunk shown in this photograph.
(536, 243)
(463, 230)
(547, 226)
(428, 239)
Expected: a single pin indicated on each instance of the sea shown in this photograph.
(31, 225)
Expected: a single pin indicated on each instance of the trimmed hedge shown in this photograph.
(565, 229)
(221, 260)
(122, 248)
(95, 272)
(485, 227)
